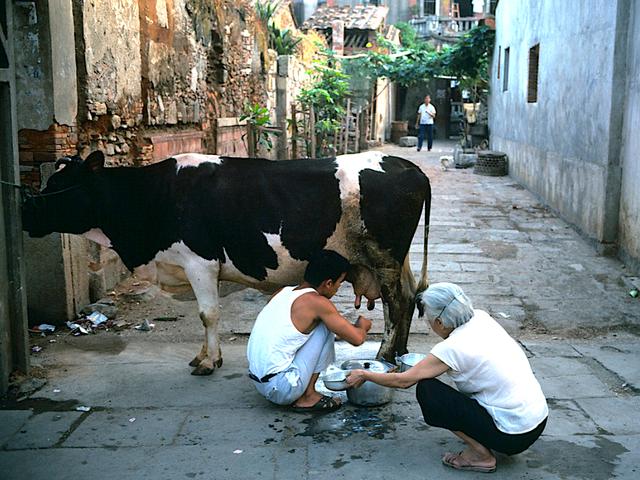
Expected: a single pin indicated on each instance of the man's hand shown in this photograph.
(364, 323)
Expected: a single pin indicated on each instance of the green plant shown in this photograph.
(282, 41)
(258, 118)
(327, 95)
(416, 61)
(266, 9)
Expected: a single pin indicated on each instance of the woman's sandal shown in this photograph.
(449, 458)
(324, 405)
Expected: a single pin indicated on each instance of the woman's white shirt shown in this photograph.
(489, 366)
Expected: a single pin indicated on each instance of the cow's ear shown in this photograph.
(95, 161)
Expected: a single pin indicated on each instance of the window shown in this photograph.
(499, 60)
(532, 86)
(505, 70)
(430, 7)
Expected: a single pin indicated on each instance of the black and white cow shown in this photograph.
(251, 221)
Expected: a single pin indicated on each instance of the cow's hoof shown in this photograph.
(218, 363)
(195, 362)
(202, 370)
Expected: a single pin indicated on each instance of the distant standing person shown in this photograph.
(424, 122)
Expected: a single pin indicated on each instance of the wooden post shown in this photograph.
(251, 141)
(312, 131)
(294, 132)
(346, 127)
(356, 139)
(14, 336)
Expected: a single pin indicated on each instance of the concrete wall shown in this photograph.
(33, 72)
(630, 193)
(560, 146)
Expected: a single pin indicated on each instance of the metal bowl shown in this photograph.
(369, 394)
(336, 381)
(408, 360)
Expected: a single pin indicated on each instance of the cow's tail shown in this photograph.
(423, 284)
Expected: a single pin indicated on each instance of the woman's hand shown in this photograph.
(356, 378)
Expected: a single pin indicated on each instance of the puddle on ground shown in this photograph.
(375, 423)
(569, 460)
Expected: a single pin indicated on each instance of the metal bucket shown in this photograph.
(408, 360)
(369, 394)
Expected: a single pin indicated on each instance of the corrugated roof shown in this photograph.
(362, 17)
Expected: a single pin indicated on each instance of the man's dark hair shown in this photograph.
(325, 265)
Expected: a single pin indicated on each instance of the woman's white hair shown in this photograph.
(446, 301)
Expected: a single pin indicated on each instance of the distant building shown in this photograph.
(565, 107)
(352, 30)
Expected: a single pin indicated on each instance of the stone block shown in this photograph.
(408, 141)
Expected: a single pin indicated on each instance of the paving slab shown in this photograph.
(43, 430)
(10, 423)
(618, 415)
(127, 428)
(548, 367)
(622, 358)
(567, 418)
(573, 387)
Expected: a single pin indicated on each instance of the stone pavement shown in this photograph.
(148, 418)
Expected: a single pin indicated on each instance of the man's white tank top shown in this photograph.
(274, 339)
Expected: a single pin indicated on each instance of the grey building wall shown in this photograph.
(630, 193)
(561, 146)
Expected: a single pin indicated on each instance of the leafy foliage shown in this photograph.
(282, 41)
(417, 61)
(327, 95)
(258, 117)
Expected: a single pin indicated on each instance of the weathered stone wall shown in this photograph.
(630, 194)
(140, 80)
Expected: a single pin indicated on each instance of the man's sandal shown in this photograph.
(324, 405)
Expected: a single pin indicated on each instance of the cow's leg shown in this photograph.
(398, 291)
(204, 281)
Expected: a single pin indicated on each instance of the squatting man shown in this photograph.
(293, 338)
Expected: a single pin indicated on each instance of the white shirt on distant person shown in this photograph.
(425, 118)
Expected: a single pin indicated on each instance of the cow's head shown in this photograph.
(68, 202)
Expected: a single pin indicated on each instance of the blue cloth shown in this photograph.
(428, 129)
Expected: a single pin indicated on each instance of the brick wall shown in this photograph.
(37, 147)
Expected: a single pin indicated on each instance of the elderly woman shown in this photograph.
(498, 404)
